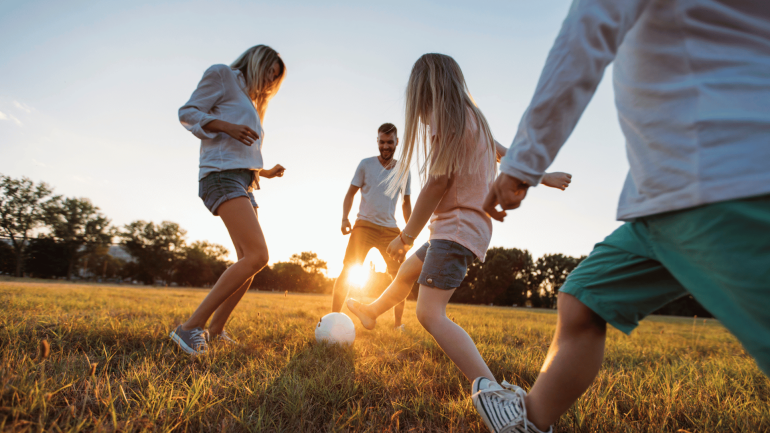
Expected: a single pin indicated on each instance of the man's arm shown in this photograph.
(587, 43)
(347, 203)
(406, 206)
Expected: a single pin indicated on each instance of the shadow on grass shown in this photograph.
(312, 392)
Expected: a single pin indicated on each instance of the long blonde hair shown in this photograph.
(437, 90)
(255, 64)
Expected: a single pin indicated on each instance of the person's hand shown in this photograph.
(276, 171)
(346, 229)
(508, 192)
(242, 133)
(557, 180)
(397, 249)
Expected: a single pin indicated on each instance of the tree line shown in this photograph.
(50, 236)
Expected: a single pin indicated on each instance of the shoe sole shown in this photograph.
(182, 345)
(480, 408)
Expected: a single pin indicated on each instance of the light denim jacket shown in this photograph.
(692, 89)
(221, 95)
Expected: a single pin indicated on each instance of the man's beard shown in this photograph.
(386, 158)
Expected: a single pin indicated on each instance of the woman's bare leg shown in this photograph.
(241, 221)
(223, 312)
(453, 340)
(395, 293)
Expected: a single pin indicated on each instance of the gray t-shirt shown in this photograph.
(376, 207)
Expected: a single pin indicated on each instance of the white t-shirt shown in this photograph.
(376, 207)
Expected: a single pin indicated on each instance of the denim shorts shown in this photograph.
(444, 264)
(218, 187)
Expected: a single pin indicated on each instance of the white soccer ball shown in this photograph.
(336, 328)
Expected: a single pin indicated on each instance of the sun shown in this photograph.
(358, 276)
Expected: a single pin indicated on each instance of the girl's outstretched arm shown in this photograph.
(500, 150)
(429, 198)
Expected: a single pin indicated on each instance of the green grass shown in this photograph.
(671, 375)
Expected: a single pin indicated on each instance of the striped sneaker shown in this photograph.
(192, 341)
(502, 407)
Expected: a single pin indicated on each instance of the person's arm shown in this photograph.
(347, 203)
(587, 43)
(276, 171)
(195, 117)
(500, 150)
(427, 201)
(557, 180)
(406, 206)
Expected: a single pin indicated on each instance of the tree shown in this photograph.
(7, 258)
(551, 272)
(201, 264)
(503, 278)
(21, 211)
(46, 258)
(78, 225)
(309, 262)
(99, 262)
(155, 249)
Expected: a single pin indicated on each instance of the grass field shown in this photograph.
(112, 367)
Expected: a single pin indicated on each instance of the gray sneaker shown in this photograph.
(192, 341)
(502, 407)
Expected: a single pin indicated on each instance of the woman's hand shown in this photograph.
(242, 133)
(276, 171)
(397, 249)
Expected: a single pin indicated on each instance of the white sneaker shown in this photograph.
(502, 407)
(401, 328)
(192, 341)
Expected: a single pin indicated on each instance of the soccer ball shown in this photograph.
(336, 328)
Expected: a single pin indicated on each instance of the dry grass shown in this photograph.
(109, 365)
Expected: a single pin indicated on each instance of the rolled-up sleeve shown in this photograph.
(195, 113)
(587, 43)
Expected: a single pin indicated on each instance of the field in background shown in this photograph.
(675, 375)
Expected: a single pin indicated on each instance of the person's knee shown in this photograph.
(257, 260)
(427, 316)
(576, 317)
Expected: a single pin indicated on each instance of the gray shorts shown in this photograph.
(444, 264)
(218, 187)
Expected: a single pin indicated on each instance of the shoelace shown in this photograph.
(510, 394)
(225, 336)
(198, 338)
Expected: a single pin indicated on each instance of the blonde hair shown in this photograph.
(255, 64)
(437, 90)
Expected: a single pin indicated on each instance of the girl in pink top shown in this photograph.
(458, 165)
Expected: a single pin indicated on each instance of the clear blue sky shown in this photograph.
(90, 91)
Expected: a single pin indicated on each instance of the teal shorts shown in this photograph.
(719, 253)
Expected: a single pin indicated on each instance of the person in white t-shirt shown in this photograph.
(376, 222)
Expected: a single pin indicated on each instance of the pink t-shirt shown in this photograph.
(459, 216)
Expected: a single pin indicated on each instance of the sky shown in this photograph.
(90, 92)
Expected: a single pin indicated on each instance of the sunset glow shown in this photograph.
(358, 276)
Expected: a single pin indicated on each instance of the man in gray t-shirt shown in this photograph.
(376, 222)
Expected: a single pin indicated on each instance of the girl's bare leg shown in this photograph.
(395, 293)
(223, 312)
(572, 363)
(453, 340)
(246, 233)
